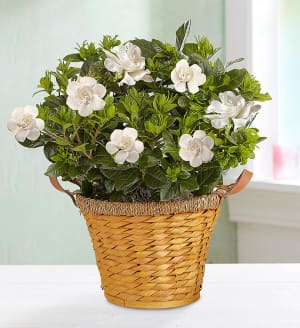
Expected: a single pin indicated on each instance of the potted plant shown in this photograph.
(146, 129)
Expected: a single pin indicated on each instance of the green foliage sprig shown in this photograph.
(151, 101)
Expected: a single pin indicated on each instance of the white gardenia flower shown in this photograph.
(124, 146)
(232, 107)
(85, 95)
(184, 76)
(128, 60)
(24, 123)
(196, 149)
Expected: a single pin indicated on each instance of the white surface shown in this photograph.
(233, 296)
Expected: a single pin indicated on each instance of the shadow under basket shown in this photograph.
(152, 255)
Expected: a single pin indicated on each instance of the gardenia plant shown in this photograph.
(143, 120)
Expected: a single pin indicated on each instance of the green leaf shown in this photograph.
(168, 192)
(190, 48)
(182, 175)
(208, 177)
(127, 178)
(32, 144)
(238, 60)
(46, 83)
(50, 150)
(182, 34)
(62, 142)
(169, 146)
(109, 42)
(80, 148)
(202, 62)
(146, 47)
(109, 185)
(86, 188)
(263, 97)
(73, 171)
(236, 77)
(73, 58)
(56, 170)
(103, 158)
(189, 184)
(183, 102)
(155, 177)
(218, 67)
(149, 159)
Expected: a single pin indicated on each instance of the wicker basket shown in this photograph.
(152, 255)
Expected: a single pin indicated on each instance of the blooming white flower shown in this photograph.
(196, 149)
(128, 60)
(124, 146)
(230, 106)
(24, 123)
(184, 75)
(85, 95)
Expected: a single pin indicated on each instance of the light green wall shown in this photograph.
(39, 224)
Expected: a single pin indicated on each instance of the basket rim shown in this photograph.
(104, 207)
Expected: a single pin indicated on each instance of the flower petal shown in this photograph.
(121, 157)
(147, 78)
(206, 154)
(131, 132)
(127, 79)
(72, 88)
(198, 77)
(40, 124)
(208, 142)
(112, 65)
(17, 112)
(193, 86)
(227, 97)
(138, 146)
(138, 75)
(216, 107)
(97, 103)
(182, 65)
(111, 148)
(174, 76)
(196, 161)
(86, 81)
(184, 140)
(85, 110)
(185, 154)
(199, 134)
(239, 123)
(31, 110)
(99, 90)
(12, 125)
(21, 135)
(34, 134)
(219, 123)
(180, 86)
(132, 157)
(116, 136)
(73, 102)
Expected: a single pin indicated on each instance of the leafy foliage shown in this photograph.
(75, 145)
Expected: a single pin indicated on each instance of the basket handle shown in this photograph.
(223, 191)
(236, 187)
(55, 183)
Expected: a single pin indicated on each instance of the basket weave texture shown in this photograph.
(151, 260)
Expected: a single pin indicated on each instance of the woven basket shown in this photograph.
(152, 255)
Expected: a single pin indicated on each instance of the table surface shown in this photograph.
(233, 296)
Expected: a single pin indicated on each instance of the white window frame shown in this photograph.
(240, 41)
